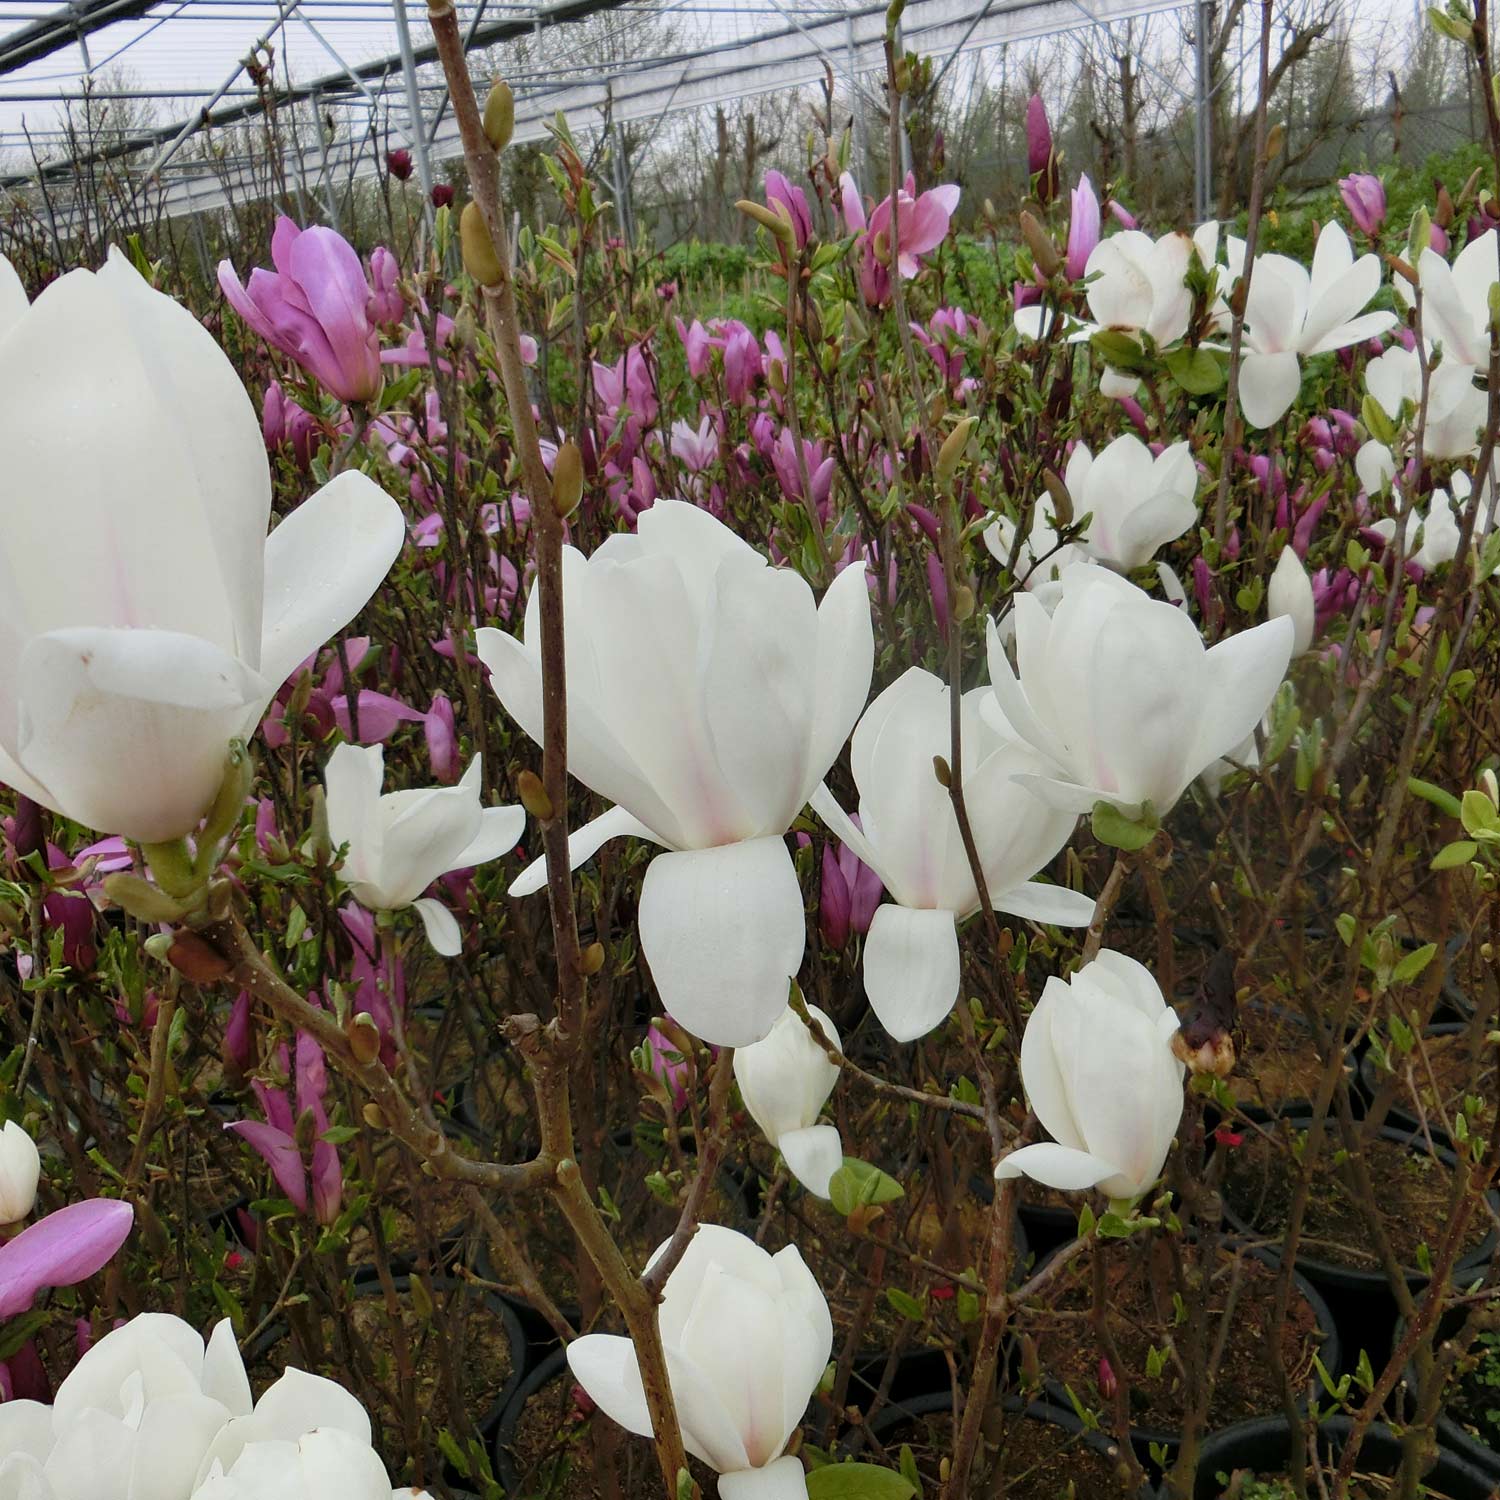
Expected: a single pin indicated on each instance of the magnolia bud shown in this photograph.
(364, 1038)
(195, 958)
(373, 1116)
(480, 260)
(500, 115)
(952, 451)
(534, 796)
(142, 900)
(1489, 787)
(567, 480)
(778, 223)
(1062, 501)
(592, 960)
(1039, 242)
(20, 1171)
(941, 770)
(963, 603)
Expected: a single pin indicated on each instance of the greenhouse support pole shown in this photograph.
(330, 196)
(856, 98)
(901, 110)
(415, 132)
(1202, 114)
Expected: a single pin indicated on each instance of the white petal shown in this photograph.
(605, 1366)
(352, 779)
(1056, 1166)
(813, 1155)
(845, 662)
(1268, 385)
(911, 969)
(782, 1480)
(1241, 674)
(1374, 465)
(13, 302)
(333, 1463)
(1290, 594)
(224, 1375)
(322, 565)
(723, 931)
(129, 729)
(174, 1434)
(440, 925)
(1055, 905)
(583, 844)
(217, 423)
(500, 830)
(25, 1426)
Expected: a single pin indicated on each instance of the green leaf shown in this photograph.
(908, 1466)
(1480, 816)
(1119, 350)
(1198, 371)
(1112, 827)
(1445, 802)
(905, 1304)
(1413, 964)
(857, 1184)
(1452, 855)
(853, 1481)
(1378, 421)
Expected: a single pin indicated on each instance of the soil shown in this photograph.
(1277, 1059)
(1258, 1486)
(477, 1349)
(1414, 1194)
(557, 1448)
(1038, 1460)
(1454, 1071)
(1142, 1282)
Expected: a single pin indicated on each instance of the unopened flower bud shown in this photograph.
(364, 1038)
(373, 1116)
(534, 796)
(1039, 242)
(1488, 785)
(593, 960)
(480, 259)
(20, 1171)
(1062, 501)
(500, 115)
(567, 480)
(952, 451)
(941, 770)
(1108, 1385)
(1204, 1042)
(29, 835)
(779, 224)
(195, 958)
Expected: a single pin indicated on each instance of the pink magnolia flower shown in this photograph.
(62, 1249)
(785, 194)
(1041, 163)
(327, 703)
(275, 1138)
(387, 306)
(1122, 215)
(442, 740)
(313, 307)
(921, 226)
(398, 163)
(1083, 228)
(667, 1064)
(284, 422)
(695, 448)
(696, 345)
(789, 472)
(946, 328)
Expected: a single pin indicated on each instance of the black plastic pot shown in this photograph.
(553, 1367)
(1450, 1434)
(1330, 1277)
(1143, 1439)
(1263, 1447)
(887, 1424)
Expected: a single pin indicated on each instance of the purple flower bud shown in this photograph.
(442, 194)
(1364, 197)
(794, 201)
(1039, 159)
(239, 1039)
(398, 163)
(442, 740)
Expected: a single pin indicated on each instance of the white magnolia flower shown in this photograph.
(20, 1171)
(326, 1464)
(1455, 405)
(1456, 299)
(401, 842)
(1290, 315)
(785, 1079)
(1040, 557)
(747, 1337)
(908, 834)
(25, 1442)
(143, 1406)
(294, 1406)
(1138, 502)
(1291, 594)
(1117, 691)
(149, 619)
(1437, 532)
(1099, 1072)
(707, 695)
